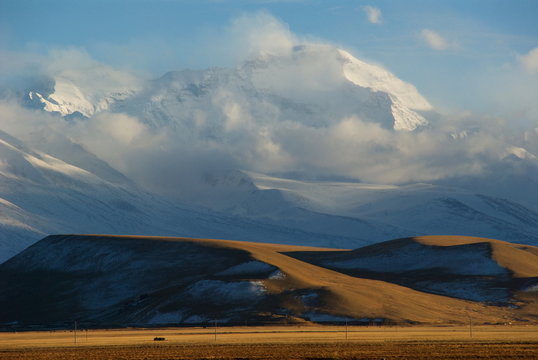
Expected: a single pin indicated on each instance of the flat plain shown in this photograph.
(277, 342)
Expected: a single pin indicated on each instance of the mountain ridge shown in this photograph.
(67, 97)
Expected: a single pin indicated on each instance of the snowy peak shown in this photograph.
(404, 96)
(85, 91)
(379, 79)
(312, 84)
(326, 69)
(68, 99)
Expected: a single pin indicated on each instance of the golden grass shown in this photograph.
(522, 260)
(349, 296)
(356, 297)
(290, 342)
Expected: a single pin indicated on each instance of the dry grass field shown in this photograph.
(340, 295)
(290, 342)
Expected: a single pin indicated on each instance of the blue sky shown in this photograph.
(471, 54)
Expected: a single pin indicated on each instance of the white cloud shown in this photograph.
(77, 65)
(530, 61)
(434, 40)
(259, 33)
(231, 130)
(245, 36)
(347, 147)
(363, 150)
(373, 13)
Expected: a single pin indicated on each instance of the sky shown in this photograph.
(462, 55)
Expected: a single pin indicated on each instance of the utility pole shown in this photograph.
(346, 329)
(470, 326)
(215, 329)
(75, 331)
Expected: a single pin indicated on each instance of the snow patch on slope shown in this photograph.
(520, 153)
(222, 292)
(460, 260)
(379, 79)
(404, 96)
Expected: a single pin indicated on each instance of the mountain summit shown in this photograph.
(316, 84)
(370, 90)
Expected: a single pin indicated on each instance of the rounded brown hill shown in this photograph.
(521, 260)
(482, 270)
(105, 280)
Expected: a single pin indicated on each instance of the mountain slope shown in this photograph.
(41, 194)
(409, 210)
(470, 268)
(120, 280)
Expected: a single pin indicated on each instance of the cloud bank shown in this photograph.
(229, 132)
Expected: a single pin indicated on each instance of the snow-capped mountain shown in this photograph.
(375, 212)
(223, 153)
(210, 101)
(314, 85)
(83, 93)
